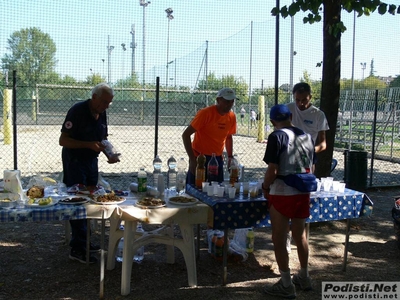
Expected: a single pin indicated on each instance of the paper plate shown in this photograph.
(74, 200)
(36, 203)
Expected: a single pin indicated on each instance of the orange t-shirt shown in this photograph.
(212, 130)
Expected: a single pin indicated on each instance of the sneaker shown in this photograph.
(279, 290)
(94, 248)
(81, 257)
(289, 242)
(304, 283)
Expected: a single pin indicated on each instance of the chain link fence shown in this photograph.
(132, 130)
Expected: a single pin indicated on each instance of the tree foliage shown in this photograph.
(395, 82)
(32, 56)
(332, 30)
(214, 83)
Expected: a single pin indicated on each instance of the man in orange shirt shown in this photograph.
(213, 128)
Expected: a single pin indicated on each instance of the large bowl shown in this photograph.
(7, 203)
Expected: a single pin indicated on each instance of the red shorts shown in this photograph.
(293, 206)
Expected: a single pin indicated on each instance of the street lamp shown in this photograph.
(123, 63)
(363, 66)
(109, 48)
(170, 17)
(133, 46)
(103, 60)
(144, 3)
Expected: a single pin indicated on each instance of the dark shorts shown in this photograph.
(293, 207)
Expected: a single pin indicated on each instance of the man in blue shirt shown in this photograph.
(83, 130)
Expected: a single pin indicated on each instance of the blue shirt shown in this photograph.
(81, 125)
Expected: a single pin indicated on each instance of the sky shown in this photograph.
(240, 35)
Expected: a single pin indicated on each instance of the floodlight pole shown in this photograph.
(109, 49)
(170, 17)
(133, 46)
(144, 3)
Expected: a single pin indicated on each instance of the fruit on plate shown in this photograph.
(35, 192)
(40, 201)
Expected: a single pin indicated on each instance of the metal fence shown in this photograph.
(132, 130)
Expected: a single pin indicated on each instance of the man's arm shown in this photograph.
(229, 145)
(321, 146)
(68, 142)
(269, 178)
(187, 143)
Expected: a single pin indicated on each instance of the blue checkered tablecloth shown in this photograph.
(56, 212)
(243, 212)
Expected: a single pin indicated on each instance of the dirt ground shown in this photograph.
(34, 262)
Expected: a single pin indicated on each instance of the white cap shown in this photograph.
(227, 94)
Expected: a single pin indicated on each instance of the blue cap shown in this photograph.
(279, 112)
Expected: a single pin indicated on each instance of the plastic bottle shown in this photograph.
(157, 164)
(181, 176)
(139, 256)
(250, 241)
(200, 171)
(219, 247)
(118, 255)
(234, 172)
(212, 246)
(142, 180)
(172, 174)
(212, 169)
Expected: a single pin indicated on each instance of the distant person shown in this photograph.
(253, 118)
(213, 128)
(84, 128)
(288, 149)
(242, 113)
(307, 117)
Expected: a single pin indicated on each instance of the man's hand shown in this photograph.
(114, 158)
(97, 146)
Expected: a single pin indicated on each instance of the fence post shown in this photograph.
(7, 116)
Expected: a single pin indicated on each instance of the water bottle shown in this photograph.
(142, 180)
(250, 241)
(181, 176)
(172, 174)
(120, 249)
(157, 164)
(212, 169)
(138, 258)
(234, 173)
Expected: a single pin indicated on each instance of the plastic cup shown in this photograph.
(210, 190)
(227, 186)
(204, 186)
(319, 184)
(342, 187)
(246, 186)
(253, 190)
(237, 187)
(220, 191)
(232, 192)
(335, 186)
(327, 184)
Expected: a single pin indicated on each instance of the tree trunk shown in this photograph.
(330, 91)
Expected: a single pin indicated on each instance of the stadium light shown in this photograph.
(363, 66)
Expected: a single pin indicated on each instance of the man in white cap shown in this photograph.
(213, 128)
